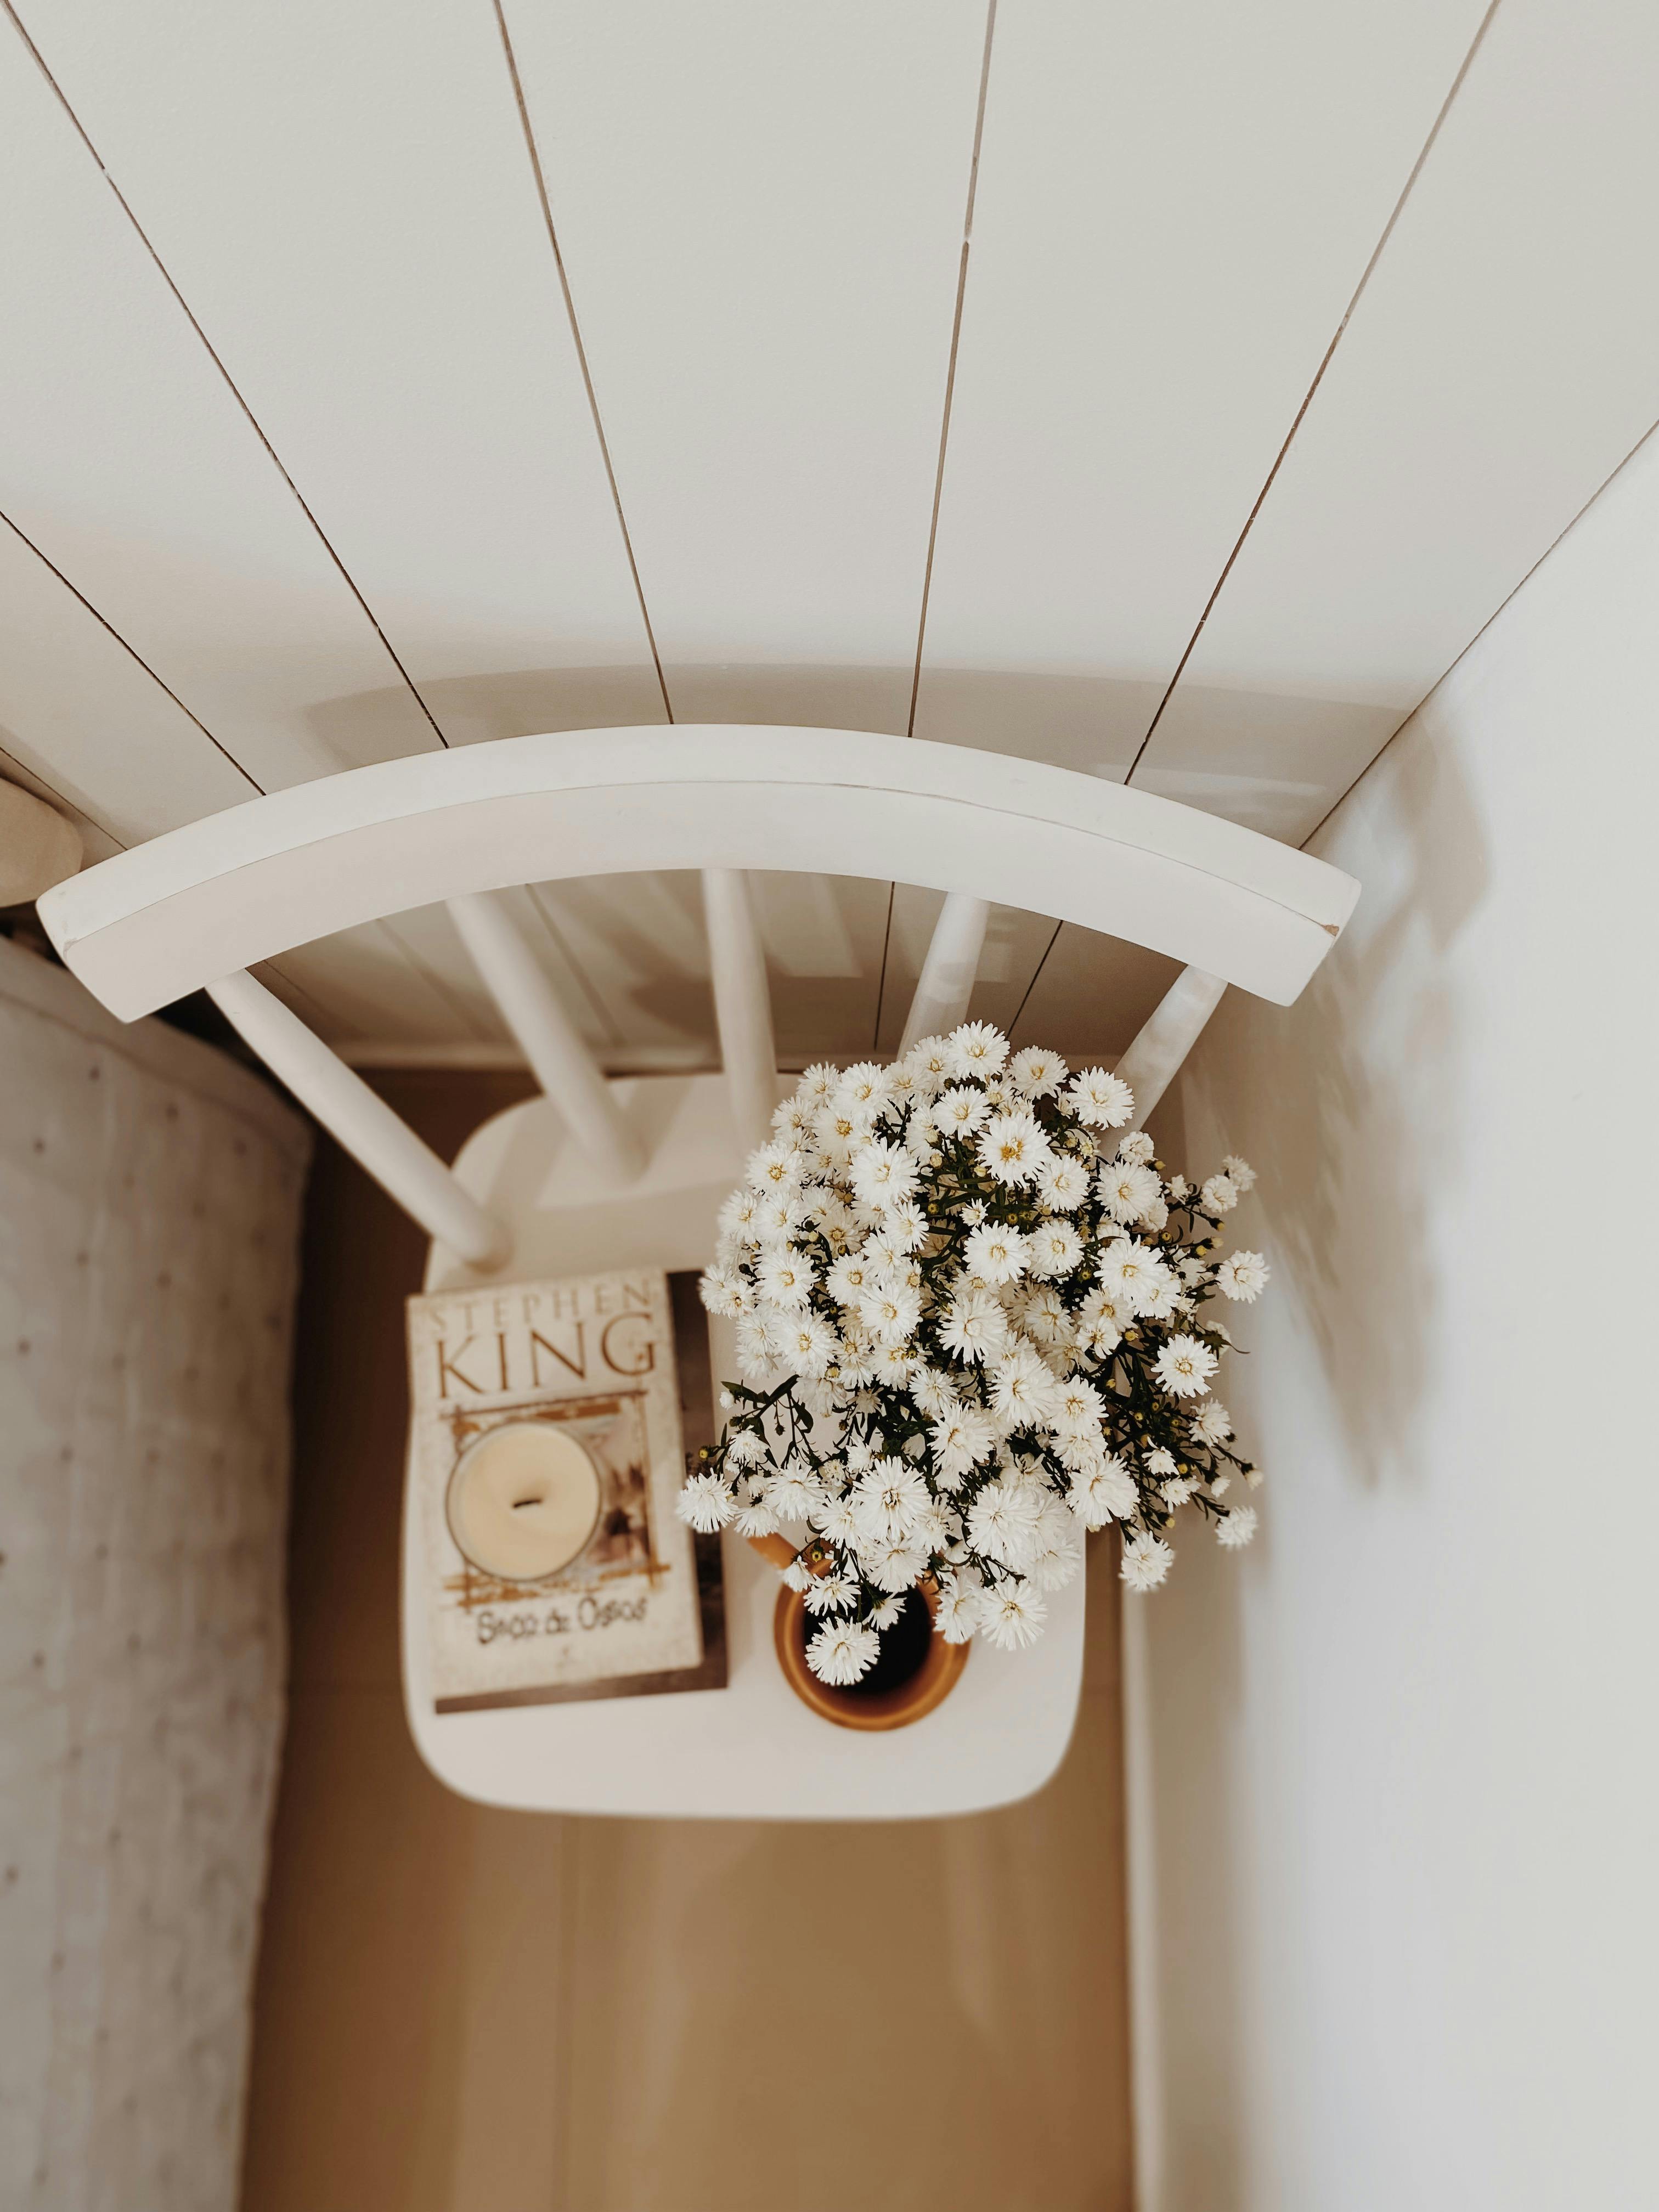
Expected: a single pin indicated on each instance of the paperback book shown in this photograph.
(551, 1425)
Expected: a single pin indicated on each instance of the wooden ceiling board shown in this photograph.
(1502, 362)
(1174, 207)
(761, 212)
(78, 711)
(126, 457)
(344, 197)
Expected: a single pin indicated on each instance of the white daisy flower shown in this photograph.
(1012, 1147)
(893, 1565)
(882, 1174)
(1038, 1073)
(1060, 1549)
(792, 1118)
(760, 1344)
(850, 1279)
(1218, 1194)
(887, 1500)
(1043, 1316)
(1211, 1423)
(705, 1503)
(785, 1279)
(1178, 1492)
(957, 1614)
(832, 1593)
(723, 1291)
(1146, 1560)
(1107, 1492)
(892, 1365)
(1128, 1191)
(1160, 1463)
(1062, 1182)
(1078, 1409)
(1012, 1615)
(812, 1347)
(1185, 1366)
(1022, 1389)
(842, 1651)
(756, 1518)
(1101, 1321)
(1239, 1173)
(905, 1225)
(794, 1496)
(1220, 1485)
(1180, 1188)
(1242, 1275)
(928, 1065)
(863, 1085)
(960, 1439)
(1235, 1528)
(836, 1518)
(1131, 1272)
(995, 1254)
(818, 1082)
(778, 1215)
(1095, 1097)
(840, 1129)
(777, 1166)
(890, 1312)
(737, 1216)
(931, 1392)
(1055, 1248)
(1003, 1519)
(975, 1049)
(1254, 1477)
(959, 1111)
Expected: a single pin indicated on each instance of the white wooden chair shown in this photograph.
(598, 1174)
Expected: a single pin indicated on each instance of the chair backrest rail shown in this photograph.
(362, 1122)
(549, 1039)
(1166, 1037)
(743, 1003)
(946, 982)
(154, 924)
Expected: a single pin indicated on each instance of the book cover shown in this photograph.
(551, 1422)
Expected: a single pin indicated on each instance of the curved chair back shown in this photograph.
(197, 908)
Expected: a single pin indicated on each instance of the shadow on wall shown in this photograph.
(1342, 1104)
(1329, 1101)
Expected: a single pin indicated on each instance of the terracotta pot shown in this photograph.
(910, 1700)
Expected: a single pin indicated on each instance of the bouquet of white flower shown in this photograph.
(987, 1312)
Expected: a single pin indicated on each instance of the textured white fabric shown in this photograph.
(149, 1199)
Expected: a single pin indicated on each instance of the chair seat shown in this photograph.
(751, 1750)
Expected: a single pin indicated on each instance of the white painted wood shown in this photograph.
(743, 1004)
(1174, 206)
(751, 1750)
(135, 471)
(550, 1041)
(153, 924)
(77, 710)
(361, 1122)
(344, 197)
(946, 982)
(1166, 1037)
(760, 210)
(1499, 367)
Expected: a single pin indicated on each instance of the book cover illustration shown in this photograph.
(550, 1425)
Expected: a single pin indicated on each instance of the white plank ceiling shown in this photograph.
(1170, 392)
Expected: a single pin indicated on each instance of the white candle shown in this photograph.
(523, 1501)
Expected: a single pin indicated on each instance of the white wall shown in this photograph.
(1403, 1802)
